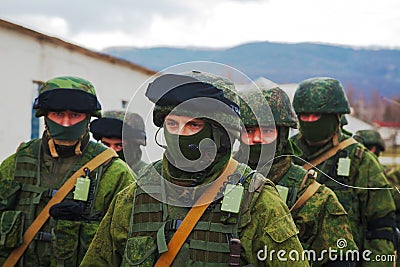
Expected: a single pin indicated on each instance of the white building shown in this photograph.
(28, 58)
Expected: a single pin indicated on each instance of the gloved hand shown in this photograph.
(71, 211)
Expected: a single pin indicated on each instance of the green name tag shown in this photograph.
(283, 192)
(343, 168)
(232, 198)
(82, 187)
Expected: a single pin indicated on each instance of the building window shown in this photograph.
(124, 104)
(34, 120)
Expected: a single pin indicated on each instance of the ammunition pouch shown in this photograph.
(9, 190)
(70, 241)
(11, 229)
(140, 250)
(65, 237)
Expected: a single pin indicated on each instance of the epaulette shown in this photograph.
(359, 152)
(256, 186)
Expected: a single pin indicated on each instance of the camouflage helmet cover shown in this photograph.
(67, 92)
(230, 119)
(134, 120)
(321, 95)
(280, 109)
(371, 138)
(110, 125)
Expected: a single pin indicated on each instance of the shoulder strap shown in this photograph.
(310, 191)
(330, 153)
(40, 220)
(193, 216)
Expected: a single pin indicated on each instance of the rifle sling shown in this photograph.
(331, 152)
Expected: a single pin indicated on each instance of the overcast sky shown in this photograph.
(97, 24)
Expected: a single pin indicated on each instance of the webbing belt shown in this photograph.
(40, 220)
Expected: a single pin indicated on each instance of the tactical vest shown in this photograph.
(153, 224)
(63, 242)
(345, 194)
(292, 180)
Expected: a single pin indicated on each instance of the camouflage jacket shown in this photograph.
(393, 177)
(371, 211)
(266, 225)
(322, 221)
(27, 184)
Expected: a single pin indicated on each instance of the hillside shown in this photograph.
(365, 70)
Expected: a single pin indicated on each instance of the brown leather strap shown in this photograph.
(310, 191)
(193, 216)
(40, 220)
(329, 153)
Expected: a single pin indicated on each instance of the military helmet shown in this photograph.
(370, 138)
(67, 93)
(281, 112)
(111, 125)
(192, 85)
(321, 95)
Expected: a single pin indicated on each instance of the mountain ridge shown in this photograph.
(364, 69)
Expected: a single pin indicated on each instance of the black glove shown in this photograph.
(71, 211)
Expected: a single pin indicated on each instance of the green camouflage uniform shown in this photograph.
(135, 135)
(322, 220)
(32, 175)
(370, 139)
(137, 227)
(371, 211)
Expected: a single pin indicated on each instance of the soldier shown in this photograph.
(34, 180)
(343, 164)
(108, 130)
(372, 140)
(199, 116)
(321, 219)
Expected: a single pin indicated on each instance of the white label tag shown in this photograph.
(82, 187)
(343, 168)
(283, 192)
(232, 198)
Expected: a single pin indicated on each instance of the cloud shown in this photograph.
(99, 23)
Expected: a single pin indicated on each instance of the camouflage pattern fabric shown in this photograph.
(268, 225)
(322, 220)
(362, 205)
(280, 110)
(393, 176)
(320, 95)
(68, 240)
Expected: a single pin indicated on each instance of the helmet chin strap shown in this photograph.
(52, 147)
